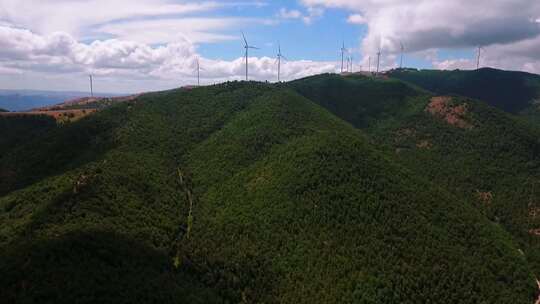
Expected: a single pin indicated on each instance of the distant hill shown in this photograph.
(24, 100)
(247, 192)
(513, 92)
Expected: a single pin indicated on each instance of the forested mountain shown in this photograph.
(513, 92)
(329, 189)
(479, 153)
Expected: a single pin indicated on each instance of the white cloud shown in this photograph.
(357, 19)
(311, 15)
(59, 55)
(145, 21)
(75, 16)
(289, 14)
(198, 30)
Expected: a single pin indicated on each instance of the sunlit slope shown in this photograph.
(289, 204)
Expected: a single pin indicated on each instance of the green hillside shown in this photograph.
(243, 192)
(478, 153)
(514, 92)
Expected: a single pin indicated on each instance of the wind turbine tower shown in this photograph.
(279, 57)
(401, 58)
(198, 73)
(478, 57)
(247, 47)
(343, 50)
(91, 85)
(378, 60)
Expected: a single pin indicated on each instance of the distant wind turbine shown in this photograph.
(91, 86)
(378, 59)
(279, 57)
(343, 50)
(480, 48)
(199, 72)
(369, 64)
(247, 47)
(402, 48)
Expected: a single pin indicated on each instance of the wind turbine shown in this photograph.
(480, 48)
(343, 50)
(279, 56)
(378, 59)
(401, 59)
(91, 86)
(199, 73)
(247, 47)
(369, 64)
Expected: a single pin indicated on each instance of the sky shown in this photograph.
(147, 45)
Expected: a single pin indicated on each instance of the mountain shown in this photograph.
(246, 192)
(513, 92)
(479, 153)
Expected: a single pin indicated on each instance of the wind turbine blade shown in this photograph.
(254, 47)
(283, 57)
(245, 40)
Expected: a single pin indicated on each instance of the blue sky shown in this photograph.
(144, 45)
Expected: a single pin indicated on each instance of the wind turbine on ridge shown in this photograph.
(343, 50)
(279, 57)
(402, 48)
(480, 48)
(199, 72)
(378, 59)
(91, 85)
(247, 47)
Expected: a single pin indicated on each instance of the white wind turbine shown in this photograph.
(91, 85)
(247, 47)
(343, 50)
(279, 57)
(402, 48)
(480, 49)
(199, 72)
(378, 59)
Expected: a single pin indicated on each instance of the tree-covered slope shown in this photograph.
(512, 92)
(477, 152)
(241, 192)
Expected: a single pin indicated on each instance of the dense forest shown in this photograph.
(328, 189)
(513, 92)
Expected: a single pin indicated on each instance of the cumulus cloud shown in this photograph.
(311, 14)
(426, 25)
(146, 21)
(356, 19)
(59, 53)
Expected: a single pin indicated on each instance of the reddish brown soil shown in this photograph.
(454, 115)
(485, 197)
